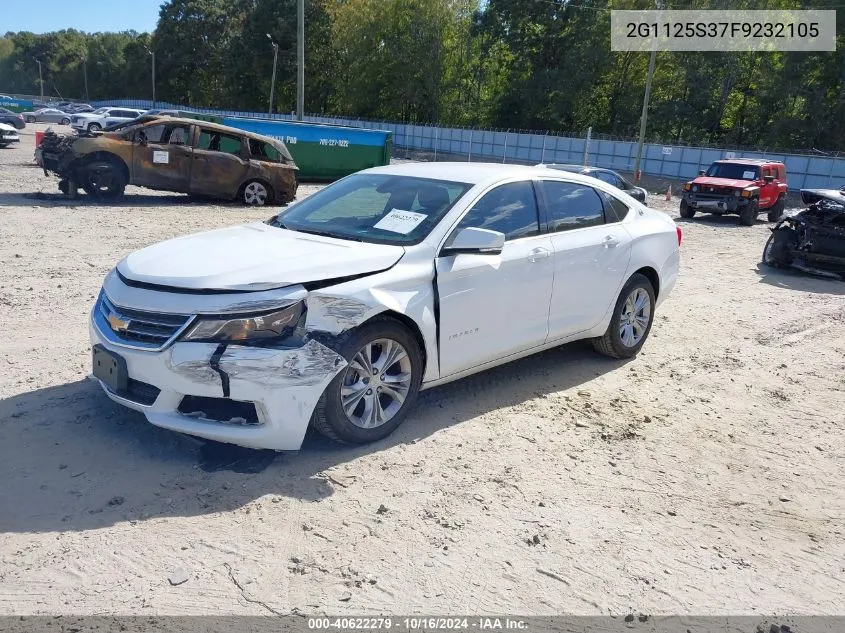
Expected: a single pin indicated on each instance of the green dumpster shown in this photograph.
(324, 152)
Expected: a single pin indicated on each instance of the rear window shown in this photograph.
(614, 209)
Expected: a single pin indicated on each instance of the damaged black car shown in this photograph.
(812, 241)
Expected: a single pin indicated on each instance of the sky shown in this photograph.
(85, 15)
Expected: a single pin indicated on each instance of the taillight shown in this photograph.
(680, 235)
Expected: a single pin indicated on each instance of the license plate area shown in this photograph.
(110, 368)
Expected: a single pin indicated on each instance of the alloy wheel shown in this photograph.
(635, 317)
(376, 383)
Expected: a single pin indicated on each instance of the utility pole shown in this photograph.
(300, 60)
(153, 55)
(85, 70)
(40, 80)
(273, 80)
(644, 117)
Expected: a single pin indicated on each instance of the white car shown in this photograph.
(102, 117)
(339, 310)
(8, 135)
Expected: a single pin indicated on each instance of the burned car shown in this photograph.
(174, 154)
(813, 240)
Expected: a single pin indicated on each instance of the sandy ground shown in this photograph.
(706, 476)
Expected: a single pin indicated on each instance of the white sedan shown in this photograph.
(339, 310)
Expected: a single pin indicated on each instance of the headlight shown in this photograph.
(737, 193)
(694, 188)
(247, 328)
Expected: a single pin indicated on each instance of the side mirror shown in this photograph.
(701, 172)
(474, 240)
(768, 179)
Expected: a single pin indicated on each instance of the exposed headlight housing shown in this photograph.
(255, 327)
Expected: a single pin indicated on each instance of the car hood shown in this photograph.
(722, 182)
(7, 128)
(254, 257)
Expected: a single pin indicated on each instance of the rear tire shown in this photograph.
(256, 193)
(748, 214)
(355, 408)
(776, 212)
(104, 181)
(686, 210)
(64, 121)
(30, 119)
(634, 309)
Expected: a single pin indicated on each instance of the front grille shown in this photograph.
(138, 328)
(222, 410)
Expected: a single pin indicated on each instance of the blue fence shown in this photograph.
(672, 162)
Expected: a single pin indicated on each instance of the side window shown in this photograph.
(215, 141)
(177, 135)
(614, 209)
(263, 151)
(571, 205)
(767, 171)
(607, 177)
(151, 133)
(510, 209)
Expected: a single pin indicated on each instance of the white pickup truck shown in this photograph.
(102, 117)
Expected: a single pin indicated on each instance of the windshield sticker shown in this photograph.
(161, 157)
(748, 175)
(399, 221)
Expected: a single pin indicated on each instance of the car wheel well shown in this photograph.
(649, 273)
(409, 323)
(107, 157)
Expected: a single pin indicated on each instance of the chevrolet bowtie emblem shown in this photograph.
(118, 324)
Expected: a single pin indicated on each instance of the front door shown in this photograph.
(162, 157)
(591, 254)
(218, 168)
(769, 190)
(492, 306)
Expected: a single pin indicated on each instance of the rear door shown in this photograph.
(219, 168)
(162, 157)
(591, 254)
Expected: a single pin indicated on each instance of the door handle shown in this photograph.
(610, 242)
(538, 253)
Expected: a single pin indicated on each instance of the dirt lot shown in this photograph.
(706, 476)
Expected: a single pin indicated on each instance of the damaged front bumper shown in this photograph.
(258, 397)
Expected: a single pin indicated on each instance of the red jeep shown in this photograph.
(739, 185)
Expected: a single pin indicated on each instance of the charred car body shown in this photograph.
(172, 154)
(813, 240)
(741, 186)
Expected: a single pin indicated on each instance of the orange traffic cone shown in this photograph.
(669, 193)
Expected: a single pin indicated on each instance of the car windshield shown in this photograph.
(734, 171)
(100, 110)
(378, 208)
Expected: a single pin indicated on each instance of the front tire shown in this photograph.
(776, 252)
(631, 321)
(776, 212)
(104, 181)
(748, 214)
(371, 397)
(30, 119)
(686, 210)
(94, 127)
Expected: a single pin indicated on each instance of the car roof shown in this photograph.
(473, 173)
(748, 161)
